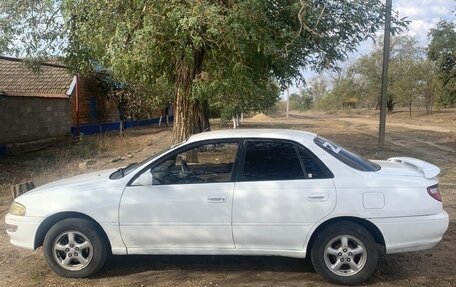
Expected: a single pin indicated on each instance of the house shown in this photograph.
(91, 111)
(46, 103)
(51, 102)
(33, 105)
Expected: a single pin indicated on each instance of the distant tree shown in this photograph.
(320, 91)
(245, 98)
(365, 73)
(346, 89)
(119, 93)
(406, 76)
(442, 51)
(317, 87)
(302, 101)
(129, 100)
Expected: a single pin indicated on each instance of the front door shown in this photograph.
(187, 203)
(282, 190)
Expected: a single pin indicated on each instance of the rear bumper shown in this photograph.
(404, 234)
(26, 227)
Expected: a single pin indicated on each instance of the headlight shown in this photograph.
(17, 209)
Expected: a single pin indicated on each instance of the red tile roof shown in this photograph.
(17, 79)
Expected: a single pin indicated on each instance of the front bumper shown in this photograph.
(404, 234)
(27, 226)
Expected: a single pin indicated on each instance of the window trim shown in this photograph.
(323, 165)
(296, 145)
(189, 146)
(301, 162)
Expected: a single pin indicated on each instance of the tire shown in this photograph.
(344, 253)
(75, 248)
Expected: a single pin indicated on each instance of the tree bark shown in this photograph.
(428, 101)
(390, 103)
(190, 115)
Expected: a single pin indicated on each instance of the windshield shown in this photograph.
(349, 158)
(123, 171)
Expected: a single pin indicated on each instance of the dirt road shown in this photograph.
(436, 267)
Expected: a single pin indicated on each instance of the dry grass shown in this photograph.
(449, 138)
(63, 159)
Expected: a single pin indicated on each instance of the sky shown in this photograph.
(423, 14)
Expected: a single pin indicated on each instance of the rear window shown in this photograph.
(349, 158)
(271, 160)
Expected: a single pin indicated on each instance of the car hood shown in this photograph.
(92, 194)
(91, 179)
(398, 168)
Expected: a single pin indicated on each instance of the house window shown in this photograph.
(93, 108)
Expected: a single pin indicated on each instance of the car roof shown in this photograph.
(253, 133)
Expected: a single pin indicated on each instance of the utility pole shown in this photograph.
(384, 91)
(288, 102)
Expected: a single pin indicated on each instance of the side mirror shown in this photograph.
(145, 179)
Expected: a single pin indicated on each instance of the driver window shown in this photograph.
(207, 163)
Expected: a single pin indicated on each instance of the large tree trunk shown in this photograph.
(191, 115)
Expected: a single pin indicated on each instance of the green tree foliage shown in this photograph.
(199, 45)
(403, 50)
(31, 29)
(318, 88)
(302, 101)
(130, 101)
(442, 51)
(359, 85)
(429, 85)
(368, 74)
(412, 79)
(405, 78)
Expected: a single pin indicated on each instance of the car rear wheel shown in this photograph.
(345, 253)
(75, 248)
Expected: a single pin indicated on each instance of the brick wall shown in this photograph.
(94, 108)
(28, 118)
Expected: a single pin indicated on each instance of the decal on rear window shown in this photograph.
(334, 148)
(349, 158)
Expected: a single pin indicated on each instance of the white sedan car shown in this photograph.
(238, 192)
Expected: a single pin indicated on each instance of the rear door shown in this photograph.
(282, 189)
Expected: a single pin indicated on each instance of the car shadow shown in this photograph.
(133, 264)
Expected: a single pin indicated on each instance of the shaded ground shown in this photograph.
(424, 137)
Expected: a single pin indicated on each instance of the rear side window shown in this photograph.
(271, 160)
(349, 158)
(313, 166)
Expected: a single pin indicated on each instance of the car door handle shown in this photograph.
(318, 197)
(216, 199)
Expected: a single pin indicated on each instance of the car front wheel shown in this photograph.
(345, 253)
(75, 248)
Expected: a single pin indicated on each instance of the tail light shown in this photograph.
(434, 192)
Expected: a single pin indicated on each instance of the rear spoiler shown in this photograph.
(428, 169)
